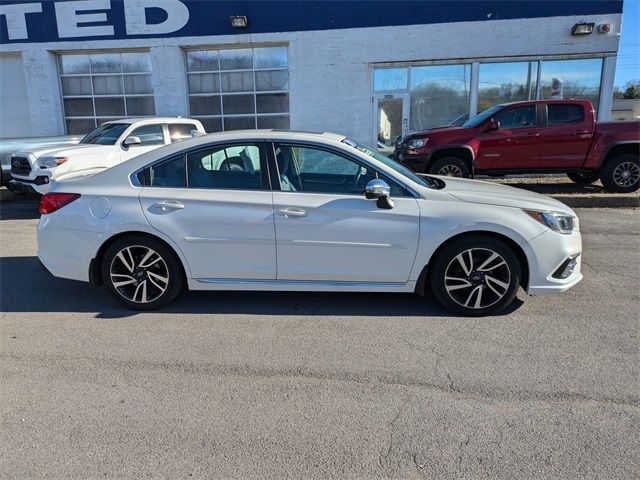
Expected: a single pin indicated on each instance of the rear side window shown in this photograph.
(168, 173)
(236, 167)
(560, 114)
(180, 131)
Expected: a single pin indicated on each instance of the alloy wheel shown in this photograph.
(477, 278)
(626, 174)
(139, 274)
(450, 171)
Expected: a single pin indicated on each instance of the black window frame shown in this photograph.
(275, 173)
(143, 175)
(546, 123)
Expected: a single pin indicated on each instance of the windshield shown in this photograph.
(106, 134)
(404, 171)
(481, 117)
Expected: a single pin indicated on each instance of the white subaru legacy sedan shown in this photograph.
(286, 210)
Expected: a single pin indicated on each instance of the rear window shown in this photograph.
(562, 113)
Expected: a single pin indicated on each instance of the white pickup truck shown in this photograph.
(109, 144)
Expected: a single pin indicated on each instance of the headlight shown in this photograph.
(558, 222)
(418, 142)
(50, 162)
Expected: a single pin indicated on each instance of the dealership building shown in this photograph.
(369, 69)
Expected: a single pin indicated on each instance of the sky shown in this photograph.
(628, 64)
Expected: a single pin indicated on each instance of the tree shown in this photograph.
(632, 89)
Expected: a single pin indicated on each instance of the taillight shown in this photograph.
(50, 202)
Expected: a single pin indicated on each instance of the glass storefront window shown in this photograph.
(506, 82)
(385, 79)
(100, 87)
(239, 88)
(439, 95)
(571, 79)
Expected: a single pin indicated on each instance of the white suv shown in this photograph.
(109, 144)
(276, 210)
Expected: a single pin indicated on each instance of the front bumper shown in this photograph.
(38, 185)
(549, 252)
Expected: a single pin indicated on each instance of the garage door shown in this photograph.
(14, 109)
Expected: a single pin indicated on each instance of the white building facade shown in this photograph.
(369, 69)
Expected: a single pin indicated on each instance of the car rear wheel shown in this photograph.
(142, 273)
(475, 276)
(621, 174)
(584, 178)
(450, 167)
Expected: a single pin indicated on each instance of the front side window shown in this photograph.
(520, 117)
(226, 167)
(561, 114)
(149, 134)
(180, 131)
(314, 170)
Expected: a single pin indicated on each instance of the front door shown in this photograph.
(216, 206)
(391, 120)
(327, 231)
(151, 137)
(515, 145)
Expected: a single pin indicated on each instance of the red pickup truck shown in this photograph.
(546, 136)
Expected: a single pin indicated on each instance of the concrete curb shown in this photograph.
(599, 200)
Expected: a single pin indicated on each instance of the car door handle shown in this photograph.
(169, 205)
(292, 212)
(533, 135)
(582, 132)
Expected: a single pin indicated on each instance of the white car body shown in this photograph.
(84, 159)
(271, 239)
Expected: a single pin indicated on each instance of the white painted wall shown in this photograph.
(14, 112)
(330, 71)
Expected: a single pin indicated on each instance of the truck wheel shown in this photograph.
(621, 174)
(584, 178)
(450, 167)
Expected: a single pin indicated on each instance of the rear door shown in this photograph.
(215, 204)
(515, 145)
(566, 135)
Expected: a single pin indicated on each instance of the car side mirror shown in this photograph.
(132, 141)
(492, 126)
(379, 190)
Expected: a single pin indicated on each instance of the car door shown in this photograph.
(514, 145)
(215, 204)
(566, 136)
(151, 137)
(326, 231)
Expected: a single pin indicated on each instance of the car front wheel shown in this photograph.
(475, 276)
(142, 273)
(450, 167)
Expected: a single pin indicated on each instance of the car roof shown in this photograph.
(132, 120)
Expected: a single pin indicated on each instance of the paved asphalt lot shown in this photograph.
(291, 385)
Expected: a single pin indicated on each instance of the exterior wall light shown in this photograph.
(582, 28)
(238, 21)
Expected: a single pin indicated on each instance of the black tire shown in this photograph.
(621, 174)
(450, 167)
(584, 178)
(155, 293)
(460, 298)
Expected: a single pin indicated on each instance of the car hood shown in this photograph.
(67, 151)
(475, 191)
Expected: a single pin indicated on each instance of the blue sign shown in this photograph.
(28, 21)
